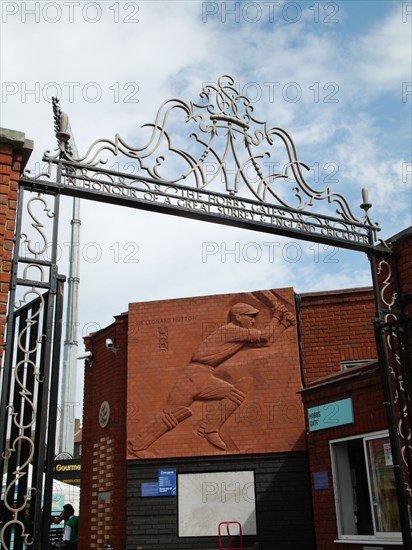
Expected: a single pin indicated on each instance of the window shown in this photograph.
(345, 365)
(365, 491)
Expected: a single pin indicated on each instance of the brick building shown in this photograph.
(142, 375)
(328, 358)
(15, 151)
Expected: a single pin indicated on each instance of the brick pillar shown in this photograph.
(15, 151)
(103, 500)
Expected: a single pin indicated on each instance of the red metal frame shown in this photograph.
(229, 535)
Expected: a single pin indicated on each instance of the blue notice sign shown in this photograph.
(150, 489)
(321, 480)
(167, 481)
(330, 415)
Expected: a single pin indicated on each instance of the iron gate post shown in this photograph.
(51, 429)
(30, 380)
(392, 308)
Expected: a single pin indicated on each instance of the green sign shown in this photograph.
(330, 415)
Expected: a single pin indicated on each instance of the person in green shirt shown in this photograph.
(71, 527)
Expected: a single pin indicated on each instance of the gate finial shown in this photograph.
(61, 125)
(365, 198)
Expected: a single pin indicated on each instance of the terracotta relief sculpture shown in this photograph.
(198, 381)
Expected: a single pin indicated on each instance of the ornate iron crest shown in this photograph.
(214, 158)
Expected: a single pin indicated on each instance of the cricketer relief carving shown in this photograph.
(199, 381)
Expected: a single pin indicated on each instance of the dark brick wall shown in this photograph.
(283, 508)
(336, 326)
(403, 246)
(103, 485)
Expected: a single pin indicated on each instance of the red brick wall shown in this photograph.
(403, 246)
(103, 478)
(363, 385)
(14, 153)
(162, 338)
(336, 326)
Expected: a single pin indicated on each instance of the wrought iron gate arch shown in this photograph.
(228, 145)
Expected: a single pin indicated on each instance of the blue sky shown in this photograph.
(114, 63)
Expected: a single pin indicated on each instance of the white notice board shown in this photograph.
(206, 499)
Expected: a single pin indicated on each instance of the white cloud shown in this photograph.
(383, 56)
(364, 160)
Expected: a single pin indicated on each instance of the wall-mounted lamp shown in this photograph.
(86, 356)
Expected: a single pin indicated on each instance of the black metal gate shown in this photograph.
(228, 146)
(30, 384)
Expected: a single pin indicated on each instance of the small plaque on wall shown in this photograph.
(150, 489)
(165, 485)
(167, 482)
(320, 480)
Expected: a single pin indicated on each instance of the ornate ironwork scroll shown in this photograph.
(30, 385)
(393, 338)
(212, 159)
